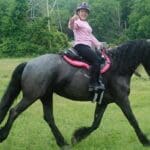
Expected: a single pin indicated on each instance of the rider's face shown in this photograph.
(83, 14)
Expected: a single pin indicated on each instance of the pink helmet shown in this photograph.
(83, 5)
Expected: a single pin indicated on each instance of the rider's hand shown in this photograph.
(71, 22)
(74, 17)
(100, 46)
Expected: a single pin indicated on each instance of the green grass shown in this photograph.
(30, 132)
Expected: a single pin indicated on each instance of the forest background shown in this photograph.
(35, 27)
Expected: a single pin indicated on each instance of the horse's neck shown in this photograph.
(126, 60)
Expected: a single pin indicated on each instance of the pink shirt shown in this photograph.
(83, 33)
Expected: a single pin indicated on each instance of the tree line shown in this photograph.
(36, 27)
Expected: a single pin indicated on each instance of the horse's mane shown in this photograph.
(127, 56)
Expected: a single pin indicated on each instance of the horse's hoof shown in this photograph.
(147, 144)
(66, 147)
(74, 140)
(145, 141)
(2, 136)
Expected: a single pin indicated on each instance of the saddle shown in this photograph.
(72, 57)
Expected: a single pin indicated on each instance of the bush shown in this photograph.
(35, 39)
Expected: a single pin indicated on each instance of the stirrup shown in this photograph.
(96, 87)
(102, 86)
(98, 96)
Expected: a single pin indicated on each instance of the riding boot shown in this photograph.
(96, 86)
(100, 80)
(96, 83)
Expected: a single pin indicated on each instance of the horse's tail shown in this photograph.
(12, 91)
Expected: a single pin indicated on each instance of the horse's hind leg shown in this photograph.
(13, 114)
(126, 108)
(47, 103)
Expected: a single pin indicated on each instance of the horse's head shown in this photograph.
(146, 57)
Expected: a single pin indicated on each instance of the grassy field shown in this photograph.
(30, 132)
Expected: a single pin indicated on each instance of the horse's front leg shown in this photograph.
(126, 109)
(83, 132)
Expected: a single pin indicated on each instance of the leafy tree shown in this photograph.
(139, 20)
(125, 6)
(5, 11)
(23, 33)
(29, 37)
(105, 19)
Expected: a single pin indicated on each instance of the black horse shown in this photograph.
(48, 74)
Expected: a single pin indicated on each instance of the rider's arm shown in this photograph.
(95, 42)
(72, 22)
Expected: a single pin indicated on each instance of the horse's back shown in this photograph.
(47, 58)
(42, 64)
